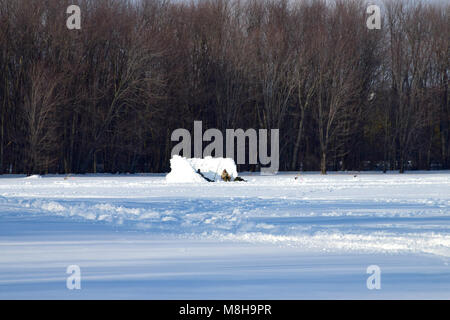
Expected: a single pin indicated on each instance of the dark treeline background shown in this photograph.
(106, 98)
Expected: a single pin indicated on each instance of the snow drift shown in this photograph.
(184, 170)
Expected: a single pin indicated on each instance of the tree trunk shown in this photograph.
(297, 143)
(402, 165)
(323, 163)
(94, 162)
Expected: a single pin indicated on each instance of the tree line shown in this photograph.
(106, 98)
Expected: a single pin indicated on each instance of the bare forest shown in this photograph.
(106, 98)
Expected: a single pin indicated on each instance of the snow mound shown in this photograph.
(185, 170)
(182, 171)
(34, 176)
(212, 168)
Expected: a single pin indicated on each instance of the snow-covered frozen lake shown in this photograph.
(274, 237)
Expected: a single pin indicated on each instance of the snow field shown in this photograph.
(140, 236)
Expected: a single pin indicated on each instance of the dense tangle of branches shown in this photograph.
(106, 98)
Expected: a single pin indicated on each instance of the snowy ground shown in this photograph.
(273, 237)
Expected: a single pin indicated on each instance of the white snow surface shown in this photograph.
(184, 170)
(274, 237)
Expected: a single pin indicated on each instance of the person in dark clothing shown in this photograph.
(225, 176)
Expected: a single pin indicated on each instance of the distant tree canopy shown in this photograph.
(106, 98)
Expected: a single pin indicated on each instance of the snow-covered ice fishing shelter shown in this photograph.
(183, 170)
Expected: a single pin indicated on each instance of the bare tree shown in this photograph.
(108, 96)
(41, 101)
